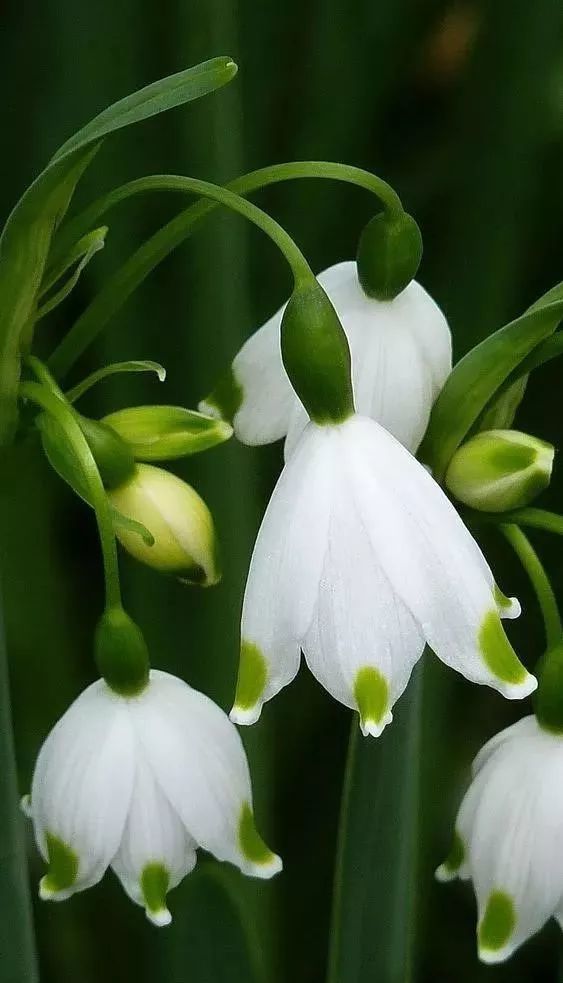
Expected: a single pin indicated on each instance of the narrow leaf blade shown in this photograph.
(477, 377)
(116, 368)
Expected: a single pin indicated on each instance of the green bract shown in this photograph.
(316, 355)
(476, 379)
(26, 239)
(162, 433)
(389, 254)
(498, 470)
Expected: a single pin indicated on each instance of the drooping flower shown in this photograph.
(360, 561)
(182, 526)
(138, 784)
(509, 837)
(401, 356)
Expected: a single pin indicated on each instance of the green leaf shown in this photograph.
(27, 235)
(87, 247)
(167, 93)
(17, 944)
(500, 413)
(208, 940)
(374, 908)
(164, 433)
(480, 374)
(116, 368)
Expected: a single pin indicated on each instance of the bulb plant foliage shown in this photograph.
(366, 555)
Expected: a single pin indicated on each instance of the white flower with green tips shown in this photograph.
(401, 356)
(509, 837)
(138, 784)
(360, 561)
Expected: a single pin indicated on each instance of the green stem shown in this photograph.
(46, 395)
(17, 944)
(119, 287)
(534, 518)
(539, 580)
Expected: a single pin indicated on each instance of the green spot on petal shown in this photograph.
(227, 396)
(456, 856)
(63, 866)
(252, 676)
(501, 599)
(498, 652)
(155, 881)
(251, 843)
(371, 693)
(498, 922)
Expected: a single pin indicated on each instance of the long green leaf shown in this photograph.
(477, 377)
(26, 239)
(17, 945)
(373, 925)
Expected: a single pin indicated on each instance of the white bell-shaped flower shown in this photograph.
(401, 356)
(139, 783)
(360, 561)
(509, 837)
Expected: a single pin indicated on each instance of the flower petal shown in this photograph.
(516, 841)
(284, 574)
(198, 760)
(81, 791)
(156, 852)
(363, 642)
(432, 561)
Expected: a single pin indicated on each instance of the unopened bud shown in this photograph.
(389, 254)
(162, 433)
(499, 470)
(178, 519)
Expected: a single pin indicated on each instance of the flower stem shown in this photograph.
(17, 943)
(539, 580)
(116, 290)
(47, 395)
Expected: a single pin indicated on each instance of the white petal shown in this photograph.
(284, 573)
(82, 788)
(363, 642)
(431, 559)
(516, 844)
(156, 852)
(199, 762)
(267, 395)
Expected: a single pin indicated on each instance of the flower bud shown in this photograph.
(162, 433)
(121, 653)
(498, 470)
(389, 254)
(177, 518)
(316, 355)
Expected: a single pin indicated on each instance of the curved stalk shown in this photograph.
(152, 252)
(534, 518)
(47, 397)
(539, 580)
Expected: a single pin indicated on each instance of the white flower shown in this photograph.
(509, 837)
(401, 356)
(359, 561)
(139, 784)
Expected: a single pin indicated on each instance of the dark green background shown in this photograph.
(459, 106)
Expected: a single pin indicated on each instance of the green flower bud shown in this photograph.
(112, 455)
(548, 698)
(498, 470)
(121, 653)
(178, 519)
(389, 254)
(316, 355)
(162, 433)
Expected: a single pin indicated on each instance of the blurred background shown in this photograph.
(460, 106)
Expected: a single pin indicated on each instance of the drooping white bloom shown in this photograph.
(509, 837)
(401, 356)
(139, 783)
(360, 561)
